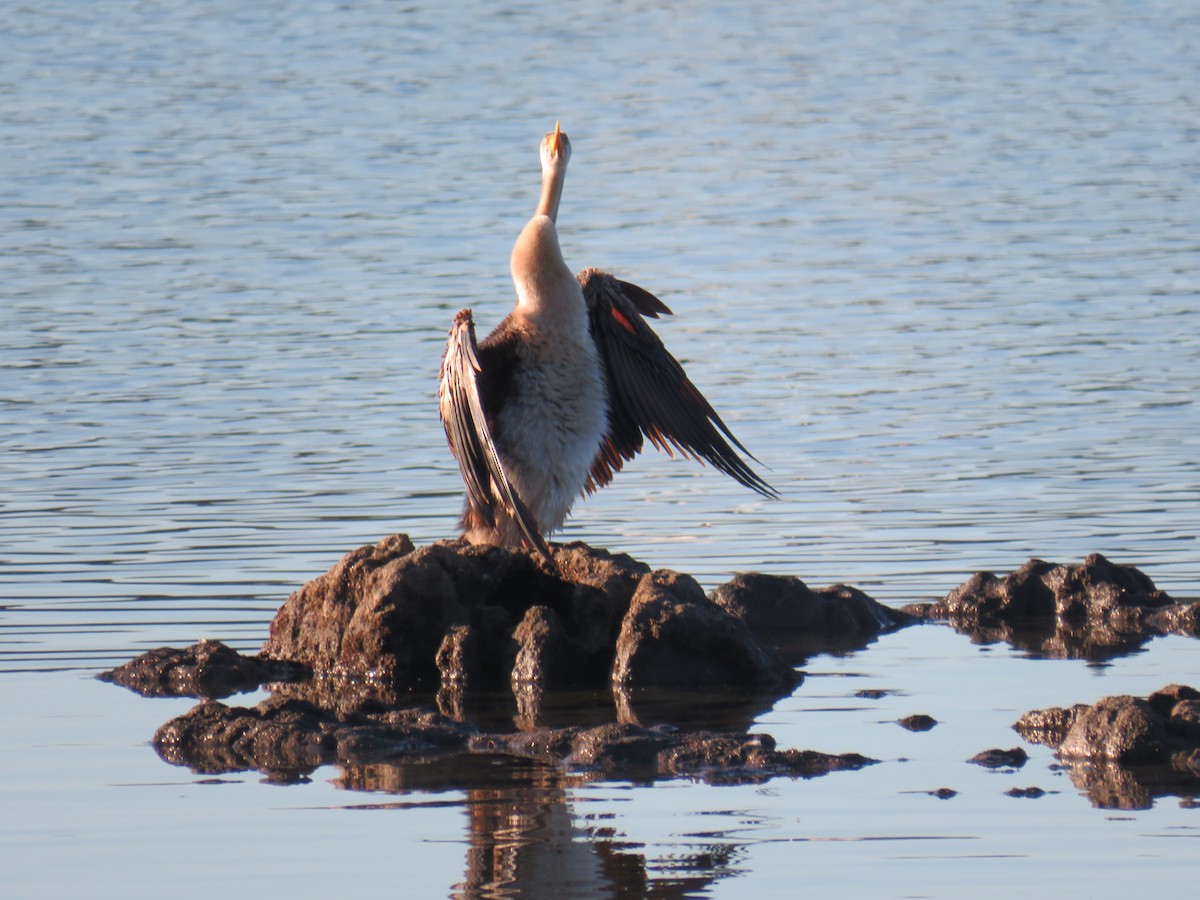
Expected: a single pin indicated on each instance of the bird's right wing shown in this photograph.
(470, 435)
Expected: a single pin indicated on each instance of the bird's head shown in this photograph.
(556, 149)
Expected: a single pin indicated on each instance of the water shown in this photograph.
(935, 267)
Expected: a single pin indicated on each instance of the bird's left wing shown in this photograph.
(470, 435)
(648, 391)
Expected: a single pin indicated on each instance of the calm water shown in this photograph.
(936, 264)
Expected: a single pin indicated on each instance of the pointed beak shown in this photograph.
(555, 140)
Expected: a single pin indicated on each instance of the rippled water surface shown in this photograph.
(935, 264)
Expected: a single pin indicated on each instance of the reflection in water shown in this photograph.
(1111, 785)
(524, 836)
(1049, 638)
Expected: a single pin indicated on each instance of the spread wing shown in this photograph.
(648, 391)
(470, 435)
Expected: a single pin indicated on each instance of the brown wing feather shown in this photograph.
(649, 393)
(470, 435)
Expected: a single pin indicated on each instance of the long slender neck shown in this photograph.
(552, 187)
(547, 292)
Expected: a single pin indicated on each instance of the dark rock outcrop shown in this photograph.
(1000, 759)
(1094, 610)
(918, 722)
(474, 618)
(284, 735)
(1028, 793)
(1123, 750)
(287, 739)
(634, 751)
(207, 669)
(787, 615)
(673, 635)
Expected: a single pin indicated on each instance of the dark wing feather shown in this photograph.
(648, 391)
(470, 435)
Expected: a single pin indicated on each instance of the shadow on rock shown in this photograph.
(1096, 610)
(1123, 751)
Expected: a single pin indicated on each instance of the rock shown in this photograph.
(674, 635)
(918, 722)
(208, 669)
(546, 654)
(1123, 728)
(944, 793)
(383, 611)
(1124, 750)
(476, 617)
(1048, 726)
(287, 735)
(1041, 589)
(788, 616)
(1031, 793)
(288, 738)
(633, 751)
(1094, 610)
(1000, 759)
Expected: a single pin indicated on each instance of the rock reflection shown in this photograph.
(1112, 785)
(1096, 610)
(1056, 639)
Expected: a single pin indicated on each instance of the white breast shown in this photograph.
(551, 427)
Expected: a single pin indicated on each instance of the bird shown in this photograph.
(553, 402)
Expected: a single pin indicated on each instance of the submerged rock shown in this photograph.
(1123, 750)
(287, 738)
(207, 669)
(1029, 793)
(637, 751)
(1094, 610)
(1000, 759)
(282, 734)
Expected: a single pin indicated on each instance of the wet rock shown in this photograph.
(208, 669)
(674, 635)
(871, 694)
(477, 617)
(383, 611)
(1000, 759)
(288, 738)
(729, 759)
(1031, 793)
(1124, 729)
(1048, 726)
(633, 751)
(1123, 750)
(917, 722)
(784, 613)
(1094, 610)
(1040, 589)
(287, 735)
(546, 654)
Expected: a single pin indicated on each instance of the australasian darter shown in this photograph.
(559, 396)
